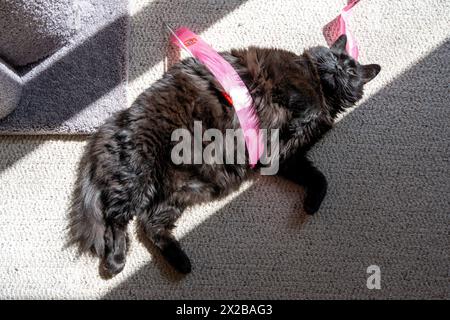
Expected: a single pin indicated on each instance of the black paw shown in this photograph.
(176, 257)
(115, 250)
(315, 193)
(114, 264)
(312, 204)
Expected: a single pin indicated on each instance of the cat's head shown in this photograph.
(342, 77)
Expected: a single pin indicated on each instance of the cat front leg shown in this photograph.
(299, 169)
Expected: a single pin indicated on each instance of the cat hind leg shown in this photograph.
(157, 224)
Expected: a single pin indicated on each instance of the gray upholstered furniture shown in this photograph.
(63, 64)
(30, 31)
(10, 89)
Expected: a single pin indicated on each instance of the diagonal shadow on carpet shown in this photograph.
(394, 149)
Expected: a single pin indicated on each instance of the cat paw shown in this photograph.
(312, 204)
(114, 264)
(315, 195)
(176, 257)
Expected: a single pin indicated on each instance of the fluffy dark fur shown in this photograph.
(127, 171)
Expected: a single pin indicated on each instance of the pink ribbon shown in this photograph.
(339, 26)
(232, 84)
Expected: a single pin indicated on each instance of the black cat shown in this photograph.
(127, 172)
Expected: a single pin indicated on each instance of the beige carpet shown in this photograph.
(387, 163)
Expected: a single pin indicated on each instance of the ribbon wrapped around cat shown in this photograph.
(235, 90)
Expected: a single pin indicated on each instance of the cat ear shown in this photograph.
(340, 43)
(370, 71)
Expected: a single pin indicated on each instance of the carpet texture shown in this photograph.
(387, 163)
(80, 85)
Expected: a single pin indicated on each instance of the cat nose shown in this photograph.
(338, 69)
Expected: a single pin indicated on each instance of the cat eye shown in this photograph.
(352, 72)
(334, 58)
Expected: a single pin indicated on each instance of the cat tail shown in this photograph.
(87, 224)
